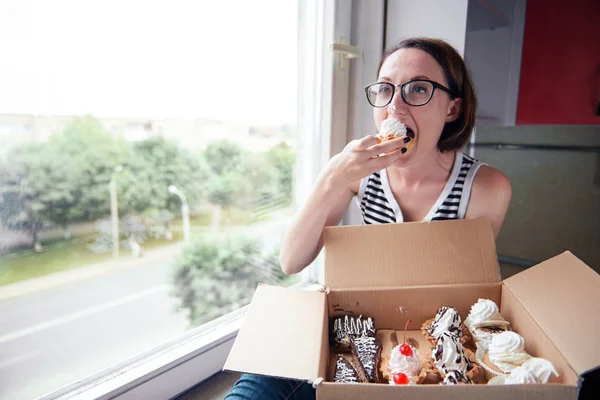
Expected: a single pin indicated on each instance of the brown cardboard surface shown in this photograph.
(391, 308)
(324, 356)
(410, 254)
(561, 294)
(446, 263)
(537, 343)
(361, 391)
(281, 322)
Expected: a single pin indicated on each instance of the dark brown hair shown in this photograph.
(455, 134)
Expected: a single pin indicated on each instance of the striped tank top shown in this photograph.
(378, 205)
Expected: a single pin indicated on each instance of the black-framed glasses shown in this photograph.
(416, 93)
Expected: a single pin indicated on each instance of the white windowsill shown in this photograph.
(168, 370)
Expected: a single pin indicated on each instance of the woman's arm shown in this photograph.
(333, 191)
(490, 197)
(304, 239)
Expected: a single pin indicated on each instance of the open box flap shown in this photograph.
(282, 334)
(560, 294)
(410, 254)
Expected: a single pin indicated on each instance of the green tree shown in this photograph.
(149, 167)
(91, 154)
(216, 275)
(260, 177)
(62, 180)
(225, 165)
(224, 156)
(26, 191)
(282, 159)
(159, 163)
(268, 182)
(66, 179)
(58, 196)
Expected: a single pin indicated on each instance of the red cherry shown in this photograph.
(406, 350)
(400, 378)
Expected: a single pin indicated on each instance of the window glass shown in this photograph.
(147, 158)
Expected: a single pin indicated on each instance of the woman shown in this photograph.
(424, 84)
(425, 183)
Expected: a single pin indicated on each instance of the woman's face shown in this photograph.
(425, 121)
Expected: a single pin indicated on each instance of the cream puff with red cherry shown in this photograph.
(403, 361)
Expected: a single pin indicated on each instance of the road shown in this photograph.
(56, 337)
(52, 338)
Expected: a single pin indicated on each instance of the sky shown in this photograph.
(225, 60)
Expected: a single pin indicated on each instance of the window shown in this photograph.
(147, 172)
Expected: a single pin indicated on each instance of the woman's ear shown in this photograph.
(454, 109)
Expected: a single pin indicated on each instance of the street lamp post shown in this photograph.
(185, 211)
(114, 210)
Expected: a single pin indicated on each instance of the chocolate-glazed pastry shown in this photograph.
(347, 327)
(449, 354)
(446, 320)
(344, 372)
(455, 377)
(367, 351)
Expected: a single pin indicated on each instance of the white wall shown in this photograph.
(367, 34)
(493, 56)
(488, 60)
(445, 20)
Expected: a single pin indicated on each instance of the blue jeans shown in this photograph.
(251, 387)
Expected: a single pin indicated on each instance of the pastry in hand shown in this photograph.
(392, 129)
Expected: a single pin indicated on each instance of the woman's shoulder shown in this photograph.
(490, 196)
(486, 177)
(491, 181)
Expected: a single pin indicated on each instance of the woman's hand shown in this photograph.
(360, 158)
(330, 197)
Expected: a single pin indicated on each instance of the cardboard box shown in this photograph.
(393, 272)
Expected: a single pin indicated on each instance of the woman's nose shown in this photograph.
(397, 105)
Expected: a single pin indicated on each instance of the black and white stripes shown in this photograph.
(378, 205)
(449, 207)
(374, 205)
